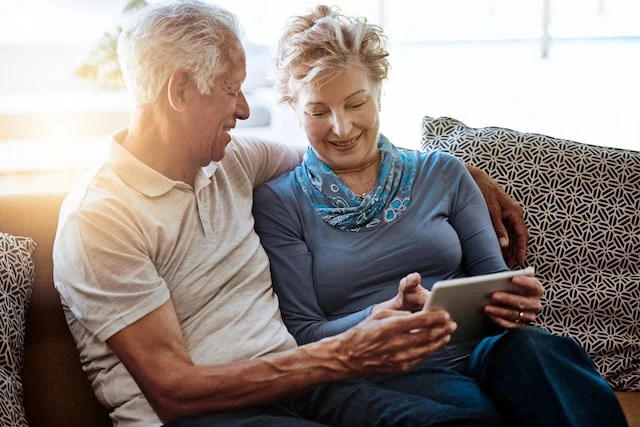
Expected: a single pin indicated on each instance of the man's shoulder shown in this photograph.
(252, 144)
(77, 197)
(98, 189)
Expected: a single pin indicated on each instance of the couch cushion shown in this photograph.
(582, 207)
(16, 281)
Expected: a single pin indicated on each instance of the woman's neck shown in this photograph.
(360, 168)
(362, 179)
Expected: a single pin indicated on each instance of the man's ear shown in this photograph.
(177, 89)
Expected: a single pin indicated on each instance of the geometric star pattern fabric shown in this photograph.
(16, 280)
(582, 208)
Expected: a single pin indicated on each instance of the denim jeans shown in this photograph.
(348, 404)
(527, 376)
(536, 379)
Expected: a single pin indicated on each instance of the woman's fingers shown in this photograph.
(529, 284)
(508, 317)
(410, 282)
(530, 299)
(411, 295)
(510, 310)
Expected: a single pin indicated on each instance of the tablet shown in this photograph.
(464, 298)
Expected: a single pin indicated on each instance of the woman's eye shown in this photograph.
(357, 105)
(316, 113)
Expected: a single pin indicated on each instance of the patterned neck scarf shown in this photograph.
(337, 205)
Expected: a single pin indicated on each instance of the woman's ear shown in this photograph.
(177, 89)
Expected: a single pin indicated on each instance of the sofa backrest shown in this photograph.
(56, 391)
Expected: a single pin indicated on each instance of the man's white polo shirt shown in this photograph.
(129, 239)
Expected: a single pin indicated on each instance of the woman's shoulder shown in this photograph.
(439, 161)
(282, 187)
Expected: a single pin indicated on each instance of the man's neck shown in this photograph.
(154, 142)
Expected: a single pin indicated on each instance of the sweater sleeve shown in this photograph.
(470, 218)
(292, 272)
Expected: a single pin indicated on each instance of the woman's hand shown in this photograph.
(411, 296)
(512, 311)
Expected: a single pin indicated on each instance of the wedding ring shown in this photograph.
(519, 317)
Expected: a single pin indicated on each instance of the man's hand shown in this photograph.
(507, 218)
(411, 296)
(392, 341)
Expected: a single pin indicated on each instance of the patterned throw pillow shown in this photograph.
(582, 207)
(16, 280)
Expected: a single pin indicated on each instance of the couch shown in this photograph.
(56, 392)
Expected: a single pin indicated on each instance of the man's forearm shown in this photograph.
(206, 389)
(152, 349)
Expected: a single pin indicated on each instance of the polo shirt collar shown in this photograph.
(138, 175)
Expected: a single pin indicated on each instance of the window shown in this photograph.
(476, 60)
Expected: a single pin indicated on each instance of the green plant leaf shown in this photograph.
(101, 65)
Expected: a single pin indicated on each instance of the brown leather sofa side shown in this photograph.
(56, 390)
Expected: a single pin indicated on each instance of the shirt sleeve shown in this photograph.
(264, 159)
(470, 218)
(292, 273)
(103, 271)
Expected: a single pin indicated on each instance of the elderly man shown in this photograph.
(165, 286)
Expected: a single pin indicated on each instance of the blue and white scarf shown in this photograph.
(337, 205)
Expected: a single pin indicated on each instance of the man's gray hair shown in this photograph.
(168, 36)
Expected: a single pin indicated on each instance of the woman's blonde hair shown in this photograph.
(314, 48)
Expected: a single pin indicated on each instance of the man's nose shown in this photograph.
(242, 107)
(341, 124)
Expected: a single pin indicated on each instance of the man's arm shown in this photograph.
(265, 159)
(506, 215)
(153, 351)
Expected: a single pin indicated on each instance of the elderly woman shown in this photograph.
(362, 226)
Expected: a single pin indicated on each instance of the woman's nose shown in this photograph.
(341, 125)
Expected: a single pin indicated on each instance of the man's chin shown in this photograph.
(217, 155)
(218, 150)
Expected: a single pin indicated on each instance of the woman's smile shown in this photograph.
(345, 145)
